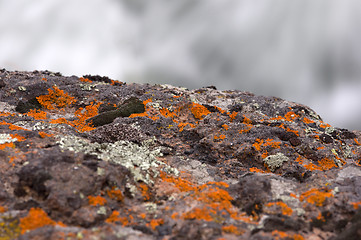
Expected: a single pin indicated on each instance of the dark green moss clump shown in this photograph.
(128, 107)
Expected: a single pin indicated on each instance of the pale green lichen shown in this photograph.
(275, 161)
(7, 138)
(141, 160)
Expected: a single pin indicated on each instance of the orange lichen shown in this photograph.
(355, 204)
(44, 134)
(200, 214)
(225, 126)
(325, 125)
(283, 235)
(2, 209)
(269, 142)
(114, 217)
(290, 116)
(36, 218)
(307, 120)
(115, 83)
(115, 194)
(232, 116)
(199, 111)
(12, 126)
(55, 99)
(254, 169)
(85, 80)
(44, 79)
(316, 196)
(37, 114)
(221, 136)
(144, 189)
(155, 222)
(285, 210)
(18, 137)
(232, 229)
(357, 142)
(96, 200)
(5, 145)
(166, 113)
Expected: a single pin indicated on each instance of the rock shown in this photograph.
(91, 157)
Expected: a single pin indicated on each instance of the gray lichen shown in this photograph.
(275, 161)
(141, 160)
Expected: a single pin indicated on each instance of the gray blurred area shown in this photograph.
(308, 51)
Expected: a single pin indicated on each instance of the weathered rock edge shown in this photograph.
(196, 164)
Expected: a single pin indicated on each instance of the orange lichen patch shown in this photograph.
(180, 183)
(225, 126)
(44, 134)
(325, 125)
(37, 114)
(114, 217)
(319, 148)
(269, 142)
(97, 200)
(82, 114)
(307, 120)
(327, 164)
(181, 126)
(85, 80)
(155, 223)
(36, 218)
(18, 137)
(293, 195)
(55, 99)
(44, 79)
(221, 136)
(199, 111)
(290, 116)
(116, 83)
(166, 113)
(323, 165)
(316, 196)
(355, 204)
(6, 114)
(254, 169)
(12, 126)
(203, 213)
(285, 210)
(278, 235)
(115, 194)
(232, 116)
(357, 142)
(5, 145)
(232, 229)
(2, 209)
(144, 189)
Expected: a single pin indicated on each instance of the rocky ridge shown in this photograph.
(90, 157)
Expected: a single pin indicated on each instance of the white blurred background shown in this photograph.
(308, 51)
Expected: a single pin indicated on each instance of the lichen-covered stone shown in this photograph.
(99, 158)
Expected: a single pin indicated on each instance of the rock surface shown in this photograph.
(165, 162)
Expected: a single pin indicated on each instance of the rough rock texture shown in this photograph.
(165, 162)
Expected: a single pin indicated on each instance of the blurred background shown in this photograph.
(307, 51)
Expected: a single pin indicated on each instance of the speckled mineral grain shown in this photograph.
(94, 158)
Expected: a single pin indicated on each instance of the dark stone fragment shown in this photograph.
(211, 108)
(254, 208)
(34, 178)
(346, 134)
(282, 223)
(236, 108)
(295, 141)
(74, 202)
(106, 107)
(326, 138)
(284, 135)
(353, 232)
(24, 107)
(143, 229)
(26, 205)
(2, 83)
(164, 229)
(97, 78)
(130, 106)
